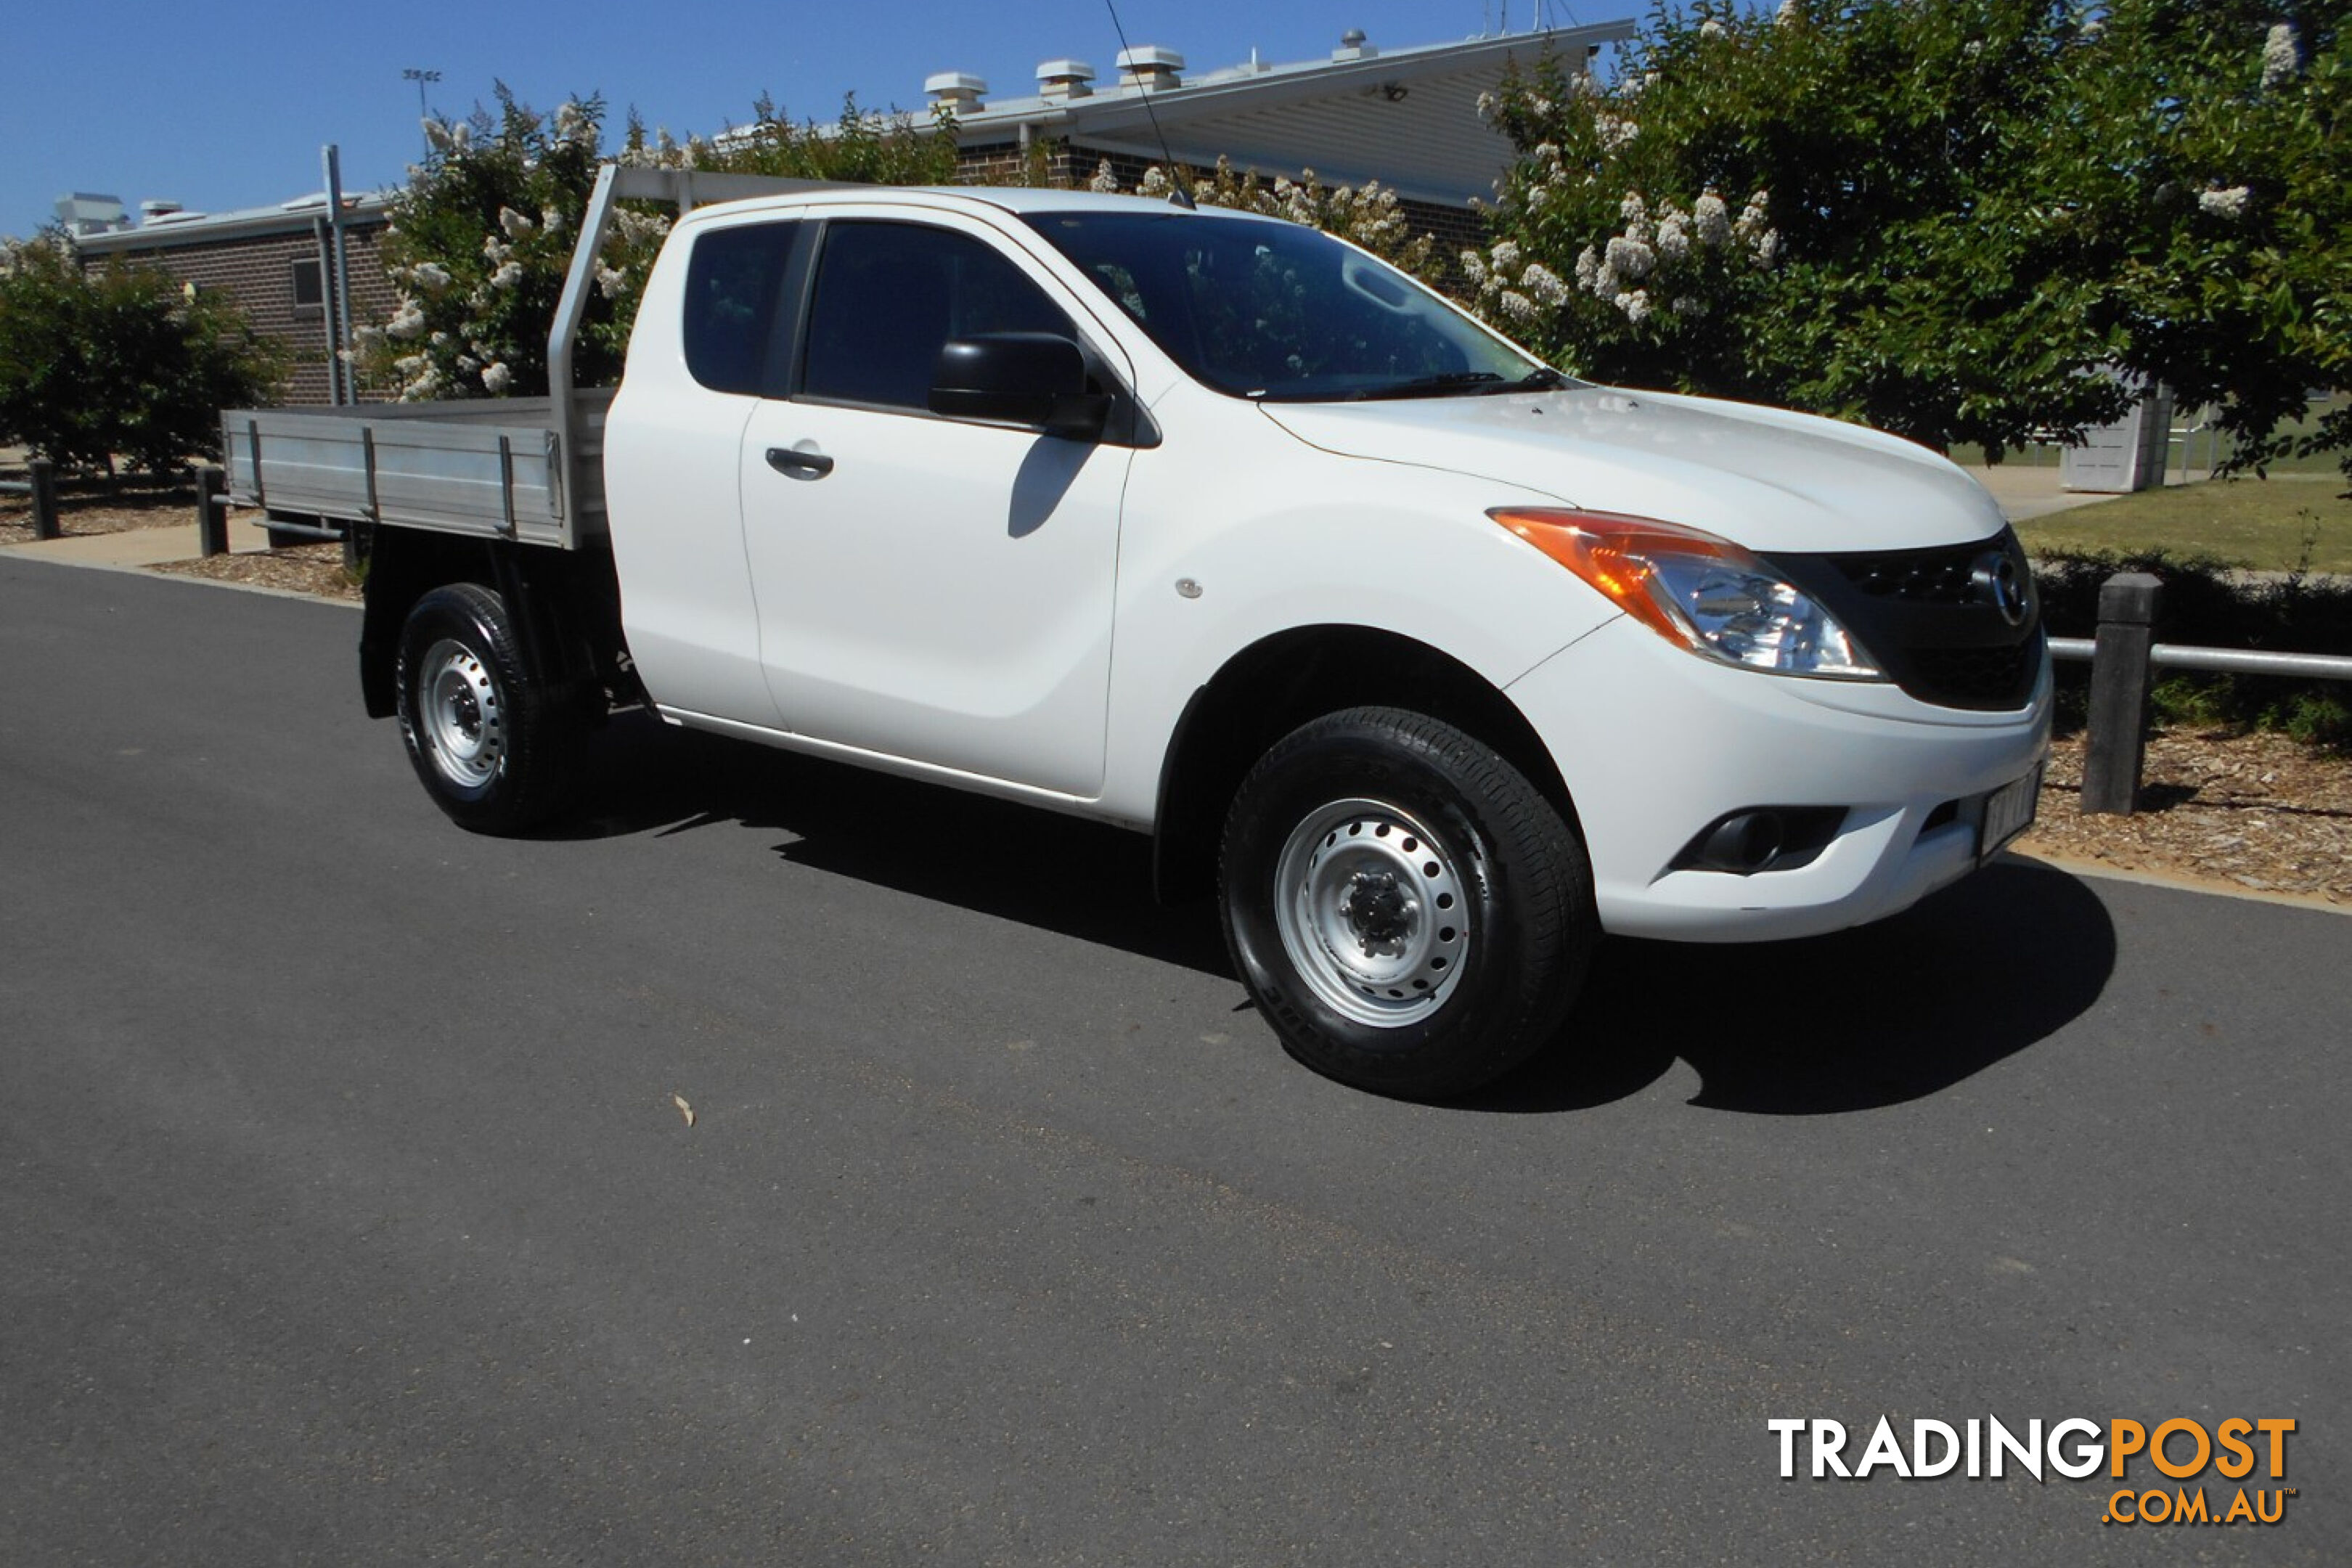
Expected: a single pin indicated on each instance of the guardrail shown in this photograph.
(2121, 658)
(40, 482)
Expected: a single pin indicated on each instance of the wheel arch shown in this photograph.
(1280, 682)
(565, 605)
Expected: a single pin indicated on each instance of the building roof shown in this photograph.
(1407, 117)
(178, 229)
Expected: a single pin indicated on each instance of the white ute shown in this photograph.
(1433, 663)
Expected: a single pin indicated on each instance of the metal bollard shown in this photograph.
(2120, 692)
(43, 474)
(211, 510)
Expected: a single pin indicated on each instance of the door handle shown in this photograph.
(784, 461)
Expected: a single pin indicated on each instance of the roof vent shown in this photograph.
(1352, 47)
(1150, 67)
(85, 213)
(155, 207)
(1065, 78)
(958, 91)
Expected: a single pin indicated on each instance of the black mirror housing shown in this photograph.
(1033, 379)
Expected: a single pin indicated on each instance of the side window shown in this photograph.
(734, 287)
(888, 294)
(310, 284)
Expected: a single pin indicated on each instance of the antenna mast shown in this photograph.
(1182, 194)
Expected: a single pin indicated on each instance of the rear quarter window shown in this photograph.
(734, 301)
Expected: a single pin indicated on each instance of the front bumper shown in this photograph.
(1654, 743)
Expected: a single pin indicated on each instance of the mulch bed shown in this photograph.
(313, 569)
(83, 512)
(2255, 810)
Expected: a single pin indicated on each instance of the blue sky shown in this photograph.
(226, 106)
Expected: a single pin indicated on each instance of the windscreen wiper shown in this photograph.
(1463, 384)
(1445, 384)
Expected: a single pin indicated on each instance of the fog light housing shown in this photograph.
(1759, 838)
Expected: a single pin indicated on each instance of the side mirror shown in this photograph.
(1036, 379)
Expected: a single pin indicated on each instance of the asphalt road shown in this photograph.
(347, 1216)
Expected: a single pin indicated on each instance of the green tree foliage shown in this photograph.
(1945, 219)
(119, 363)
(481, 241)
(2209, 151)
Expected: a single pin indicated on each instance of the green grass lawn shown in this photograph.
(2267, 525)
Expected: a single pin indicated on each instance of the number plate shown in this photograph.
(2008, 811)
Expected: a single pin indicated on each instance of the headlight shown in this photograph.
(1700, 592)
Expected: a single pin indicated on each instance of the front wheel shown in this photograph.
(1409, 913)
(495, 750)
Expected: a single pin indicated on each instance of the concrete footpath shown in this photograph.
(2030, 489)
(136, 547)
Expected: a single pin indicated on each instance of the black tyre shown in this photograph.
(497, 752)
(1408, 910)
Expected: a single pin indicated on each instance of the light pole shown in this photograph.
(423, 115)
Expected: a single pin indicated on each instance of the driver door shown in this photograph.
(930, 588)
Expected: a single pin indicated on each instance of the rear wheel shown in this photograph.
(497, 751)
(1409, 912)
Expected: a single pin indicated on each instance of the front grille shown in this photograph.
(1926, 577)
(1935, 619)
(1989, 677)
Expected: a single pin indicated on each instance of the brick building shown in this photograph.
(272, 261)
(1407, 118)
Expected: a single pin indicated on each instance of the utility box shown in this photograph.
(2128, 455)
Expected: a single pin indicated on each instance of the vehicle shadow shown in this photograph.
(1056, 873)
(1858, 1019)
(1875, 1016)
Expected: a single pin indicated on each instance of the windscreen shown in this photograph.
(1280, 311)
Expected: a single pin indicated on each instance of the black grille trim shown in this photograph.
(1933, 618)
(1918, 576)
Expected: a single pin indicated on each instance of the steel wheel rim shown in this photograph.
(1372, 912)
(463, 723)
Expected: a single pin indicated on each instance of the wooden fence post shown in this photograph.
(2119, 690)
(43, 474)
(211, 510)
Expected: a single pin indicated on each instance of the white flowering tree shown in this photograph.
(1938, 217)
(478, 250)
(480, 241)
(1370, 214)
